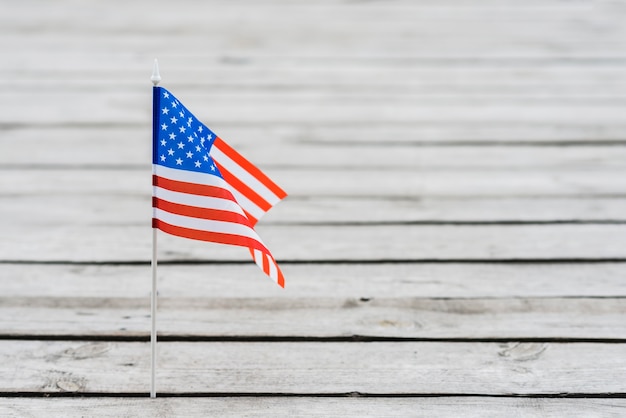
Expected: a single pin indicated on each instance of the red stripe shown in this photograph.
(252, 219)
(202, 213)
(281, 278)
(266, 265)
(192, 188)
(217, 237)
(249, 167)
(242, 188)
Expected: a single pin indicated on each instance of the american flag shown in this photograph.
(205, 190)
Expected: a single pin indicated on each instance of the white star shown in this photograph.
(190, 138)
(174, 104)
(165, 110)
(197, 163)
(166, 95)
(170, 152)
(181, 145)
(173, 119)
(206, 158)
(202, 141)
(198, 148)
(162, 157)
(189, 122)
(163, 142)
(164, 127)
(200, 129)
(182, 129)
(189, 154)
(209, 137)
(172, 135)
(212, 167)
(179, 161)
(181, 114)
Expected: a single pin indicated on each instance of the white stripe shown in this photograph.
(258, 257)
(248, 205)
(206, 225)
(273, 268)
(245, 176)
(191, 177)
(198, 201)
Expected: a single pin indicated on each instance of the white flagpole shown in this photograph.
(153, 300)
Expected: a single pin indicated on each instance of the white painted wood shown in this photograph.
(308, 182)
(471, 407)
(323, 317)
(116, 210)
(355, 281)
(90, 147)
(117, 107)
(300, 368)
(131, 242)
(451, 31)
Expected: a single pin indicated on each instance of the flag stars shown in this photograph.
(166, 95)
(198, 164)
(200, 129)
(163, 142)
(173, 119)
(181, 145)
(162, 157)
(190, 138)
(212, 167)
(198, 149)
(174, 104)
(189, 154)
(182, 129)
(170, 152)
(179, 161)
(172, 135)
(164, 127)
(181, 114)
(205, 158)
(165, 110)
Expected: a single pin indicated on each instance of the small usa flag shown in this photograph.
(205, 190)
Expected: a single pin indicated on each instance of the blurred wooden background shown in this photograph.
(453, 243)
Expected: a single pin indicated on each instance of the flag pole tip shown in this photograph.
(156, 77)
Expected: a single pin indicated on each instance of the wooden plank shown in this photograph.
(531, 77)
(111, 209)
(472, 407)
(124, 242)
(354, 281)
(308, 182)
(117, 107)
(323, 317)
(322, 368)
(469, 31)
(100, 147)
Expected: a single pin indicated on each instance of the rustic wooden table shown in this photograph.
(454, 239)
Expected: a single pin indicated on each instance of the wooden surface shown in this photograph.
(453, 240)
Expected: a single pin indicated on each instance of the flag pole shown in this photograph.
(156, 78)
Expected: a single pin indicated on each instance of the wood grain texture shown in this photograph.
(132, 242)
(324, 368)
(311, 407)
(410, 318)
(319, 280)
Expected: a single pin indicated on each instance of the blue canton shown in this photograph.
(183, 142)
